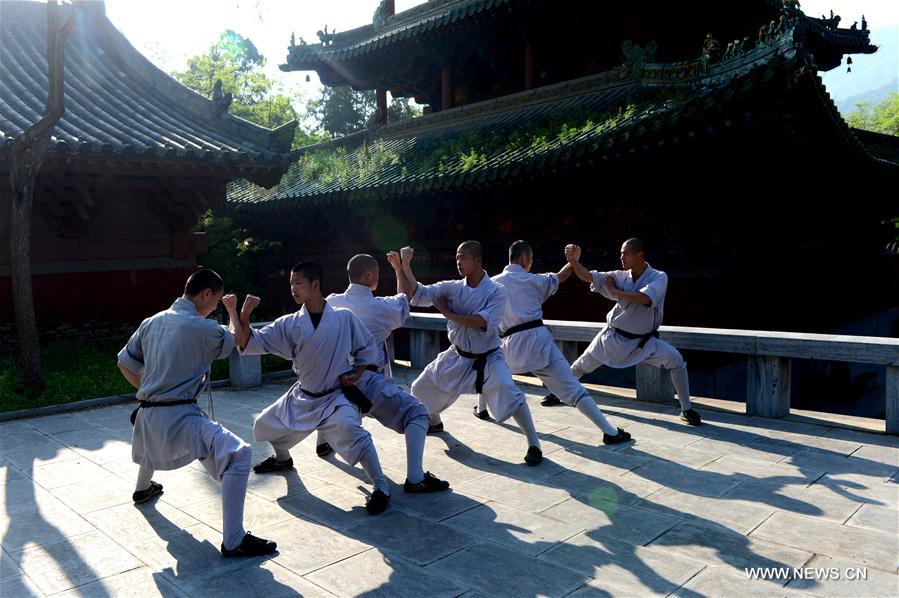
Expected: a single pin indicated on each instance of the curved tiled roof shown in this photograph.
(435, 15)
(116, 101)
(591, 119)
(423, 19)
(480, 144)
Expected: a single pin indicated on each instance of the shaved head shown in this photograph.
(359, 265)
(635, 244)
(472, 248)
(519, 249)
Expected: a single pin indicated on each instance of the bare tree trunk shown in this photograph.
(26, 156)
(20, 272)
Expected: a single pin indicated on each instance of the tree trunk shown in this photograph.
(26, 156)
(20, 271)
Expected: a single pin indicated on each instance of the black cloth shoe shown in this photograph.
(436, 428)
(143, 496)
(272, 464)
(429, 484)
(251, 546)
(534, 456)
(550, 400)
(618, 438)
(323, 450)
(691, 417)
(481, 414)
(377, 502)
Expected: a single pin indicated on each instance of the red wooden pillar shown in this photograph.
(381, 96)
(447, 85)
(381, 93)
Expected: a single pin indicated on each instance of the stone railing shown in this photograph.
(768, 358)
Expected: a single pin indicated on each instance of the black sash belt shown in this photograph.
(351, 392)
(644, 338)
(318, 395)
(521, 328)
(480, 364)
(148, 404)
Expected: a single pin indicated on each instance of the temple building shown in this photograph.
(133, 162)
(703, 128)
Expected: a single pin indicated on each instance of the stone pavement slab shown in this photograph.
(620, 568)
(497, 571)
(526, 532)
(57, 566)
(373, 573)
(870, 548)
(680, 511)
(415, 539)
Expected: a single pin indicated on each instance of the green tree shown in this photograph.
(882, 117)
(341, 110)
(235, 60)
(401, 109)
(232, 250)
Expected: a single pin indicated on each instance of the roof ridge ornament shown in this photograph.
(379, 18)
(220, 101)
(326, 38)
(635, 56)
(833, 23)
(791, 7)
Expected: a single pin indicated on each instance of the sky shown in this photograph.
(169, 31)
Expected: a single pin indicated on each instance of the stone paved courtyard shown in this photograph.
(681, 511)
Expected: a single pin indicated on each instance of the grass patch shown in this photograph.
(74, 370)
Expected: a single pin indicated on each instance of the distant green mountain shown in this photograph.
(873, 96)
(873, 76)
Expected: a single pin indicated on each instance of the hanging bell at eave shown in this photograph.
(308, 79)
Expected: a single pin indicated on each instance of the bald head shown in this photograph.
(472, 248)
(359, 265)
(632, 257)
(518, 251)
(635, 244)
(468, 259)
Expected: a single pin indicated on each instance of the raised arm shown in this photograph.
(242, 337)
(234, 323)
(573, 255)
(395, 261)
(565, 272)
(406, 255)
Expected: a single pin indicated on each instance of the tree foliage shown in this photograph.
(342, 110)
(882, 117)
(237, 62)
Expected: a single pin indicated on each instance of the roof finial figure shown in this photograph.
(220, 101)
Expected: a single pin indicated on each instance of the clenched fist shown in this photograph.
(230, 302)
(249, 304)
(573, 253)
(407, 253)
